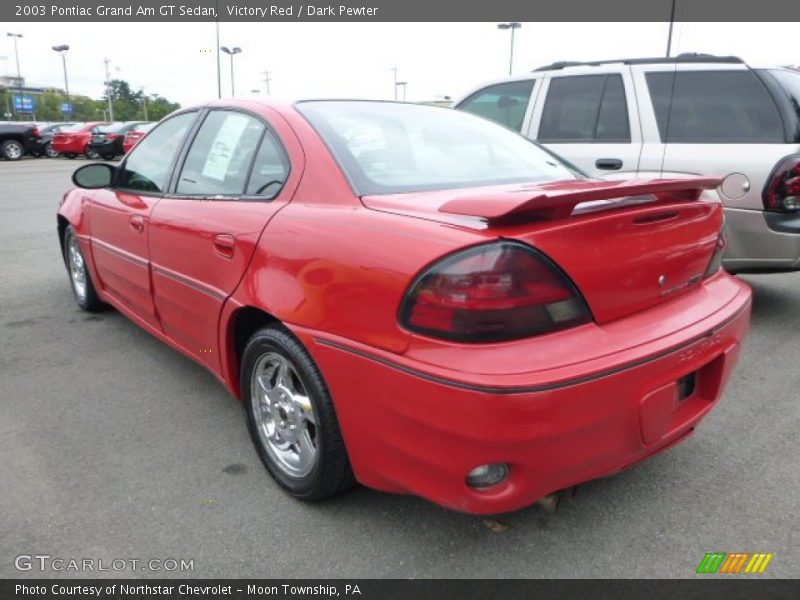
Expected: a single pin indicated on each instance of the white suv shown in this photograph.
(693, 114)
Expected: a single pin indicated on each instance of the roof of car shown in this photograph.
(681, 58)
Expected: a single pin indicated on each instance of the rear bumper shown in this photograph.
(108, 148)
(759, 241)
(409, 430)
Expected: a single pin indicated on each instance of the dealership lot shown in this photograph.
(115, 446)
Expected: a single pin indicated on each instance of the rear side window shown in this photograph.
(714, 107)
(219, 159)
(147, 167)
(788, 94)
(505, 103)
(585, 108)
(270, 168)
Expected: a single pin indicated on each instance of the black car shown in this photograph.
(107, 141)
(41, 146)
(17, 140)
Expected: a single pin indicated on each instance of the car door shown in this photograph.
(231, 180)
(119, 218)
(590, 117)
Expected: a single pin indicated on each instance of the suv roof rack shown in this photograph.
(686, 57)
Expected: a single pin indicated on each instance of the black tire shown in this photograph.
(91, 154)
(331, 473)
(12, 150)
(49, 152)
(90, 301)
(71, 156)
(108, 157)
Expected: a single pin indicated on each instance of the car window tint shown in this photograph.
(270, 168)
(504, 103)
(585, 108)
(219, 159)
(714, 107)
(612, 123)
(147, 167)
(789, 81)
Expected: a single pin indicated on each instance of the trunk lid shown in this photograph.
(627, 245)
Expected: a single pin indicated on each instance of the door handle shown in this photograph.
(224, 245)
(608, 164)
(137, 223)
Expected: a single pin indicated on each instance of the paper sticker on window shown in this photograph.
(223, 146)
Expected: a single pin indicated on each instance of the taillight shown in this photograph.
(111, 136)
(494, 292)
(782, 192)
(719, 252)
(36, 132)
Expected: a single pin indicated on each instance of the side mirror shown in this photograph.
(94, 176)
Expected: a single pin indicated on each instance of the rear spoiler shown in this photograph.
(560, 201)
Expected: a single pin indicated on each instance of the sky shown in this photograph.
(313, 60)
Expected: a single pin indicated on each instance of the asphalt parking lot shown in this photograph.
(112, 445)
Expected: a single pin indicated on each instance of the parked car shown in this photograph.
(42, 146)
(135, 134)
(17, 140)
(74, 141)
(107, 140)
(717, 115)
(414, 297)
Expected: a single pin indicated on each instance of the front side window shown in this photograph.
(504, 103)
(147, 167)
(386, 147)
(585, 108)
(219, 159)
(713, 107)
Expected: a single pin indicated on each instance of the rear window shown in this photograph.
(387, 147)
(789, 82)
(75, 127)
(585, 108)
(113, 127)
(504, 103)
(714, 107)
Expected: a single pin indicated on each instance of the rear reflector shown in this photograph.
(494, 292)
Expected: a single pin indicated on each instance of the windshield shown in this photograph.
(387, 148)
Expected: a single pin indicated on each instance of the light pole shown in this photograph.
(395, 81)
(231, 52)
(266, 79)
(144, 103)
(108, 91)
(671, 22)
(219, 75)
(16, 36)
(403, 85)
(62, 50)
(512, 26)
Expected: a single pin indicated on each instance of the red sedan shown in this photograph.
(73, 141)
(134, 135)
(413, 297)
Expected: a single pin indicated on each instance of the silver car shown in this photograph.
(692, 114)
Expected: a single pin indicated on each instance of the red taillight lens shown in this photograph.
(36, 132)
(498, 291)
(783, 188)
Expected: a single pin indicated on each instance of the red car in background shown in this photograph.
(74, 140)
(414, 297)
(134, 135)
